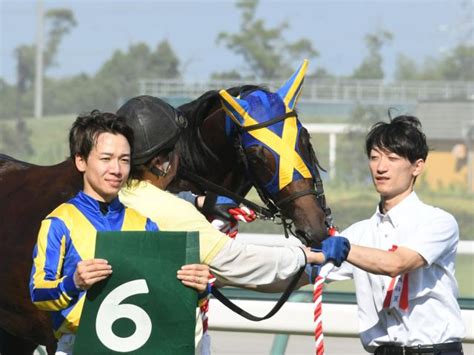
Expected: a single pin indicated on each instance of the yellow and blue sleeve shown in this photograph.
(49, 289)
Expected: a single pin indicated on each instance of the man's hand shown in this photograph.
(336, 249)
(91, 271)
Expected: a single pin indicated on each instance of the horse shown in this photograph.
(213, 145)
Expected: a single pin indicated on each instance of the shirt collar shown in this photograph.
(89, 202)
(399, 212)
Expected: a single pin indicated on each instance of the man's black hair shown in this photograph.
(402, 136)
(85, 130)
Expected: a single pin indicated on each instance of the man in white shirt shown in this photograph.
(402, 258)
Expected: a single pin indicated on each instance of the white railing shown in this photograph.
(325, 90)
(297, 318)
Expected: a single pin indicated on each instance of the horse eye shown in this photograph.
(262, 163)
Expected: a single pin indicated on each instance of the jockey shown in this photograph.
(157, 126)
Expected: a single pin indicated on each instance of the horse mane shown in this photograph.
(195, 156)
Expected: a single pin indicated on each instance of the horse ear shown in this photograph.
(235, 108)
(290, 92)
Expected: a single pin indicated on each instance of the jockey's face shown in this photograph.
(107, 167)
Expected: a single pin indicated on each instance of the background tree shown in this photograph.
(163, 62)
(58, 22)
(226, 75)
(118, 78)
(457, 64)
(406, 68)
(266, 53)
(371, 66)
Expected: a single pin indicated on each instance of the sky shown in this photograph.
(336, 28)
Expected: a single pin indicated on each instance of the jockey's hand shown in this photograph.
(225, 208)
(91, 271)
(197, 276)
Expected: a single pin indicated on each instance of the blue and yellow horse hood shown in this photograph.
(279, 137)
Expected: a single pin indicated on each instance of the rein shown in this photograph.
(262, 212)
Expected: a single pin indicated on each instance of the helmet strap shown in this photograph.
(165, 166)
(160, 172)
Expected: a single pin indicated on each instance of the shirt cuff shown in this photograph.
(302, 260)
(70, 286)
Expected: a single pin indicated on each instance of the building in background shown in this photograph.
(449, 127)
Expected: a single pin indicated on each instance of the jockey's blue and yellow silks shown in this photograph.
(280, 138)
(67, 236)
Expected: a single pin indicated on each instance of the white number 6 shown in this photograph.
(110, 310)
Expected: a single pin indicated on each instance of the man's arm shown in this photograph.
(50, 290)
(269, 269)
(391, 263)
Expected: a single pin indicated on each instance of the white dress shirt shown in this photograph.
(433, 314)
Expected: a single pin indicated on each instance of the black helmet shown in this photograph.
(155, 123)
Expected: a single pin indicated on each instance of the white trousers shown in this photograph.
(66, 344)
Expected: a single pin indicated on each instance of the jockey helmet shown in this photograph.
(155, 123)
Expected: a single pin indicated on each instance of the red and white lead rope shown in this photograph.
(318, 302)
(243, 214)
(318, 311)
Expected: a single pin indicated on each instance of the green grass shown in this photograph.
(48, 139)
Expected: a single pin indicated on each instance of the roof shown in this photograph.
(446, 120)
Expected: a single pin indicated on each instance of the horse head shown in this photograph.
(281, 161)
(268, 145)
